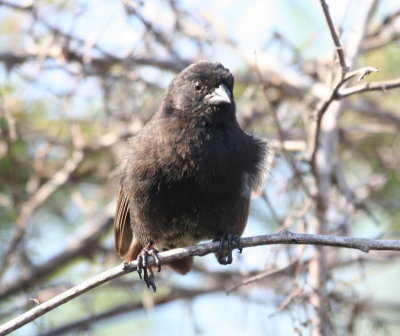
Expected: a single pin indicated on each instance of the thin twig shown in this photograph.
(334, 95)
(335, 38)
(367, 87)
(265, 274)
(284, 237)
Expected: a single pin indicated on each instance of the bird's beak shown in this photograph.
(220, 95)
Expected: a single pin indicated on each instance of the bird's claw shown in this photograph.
(224, 254)
(148, 274)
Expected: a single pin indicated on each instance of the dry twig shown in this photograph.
(284, 237)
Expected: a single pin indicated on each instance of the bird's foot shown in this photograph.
(148, 274)
(224, 254)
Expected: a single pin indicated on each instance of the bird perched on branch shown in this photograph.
(188, 174)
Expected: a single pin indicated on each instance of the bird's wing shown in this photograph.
(122, 228)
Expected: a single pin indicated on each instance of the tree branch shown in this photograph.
(334, 95)
(172, 295)
(335, 38)
(283, 237)
(366, 87)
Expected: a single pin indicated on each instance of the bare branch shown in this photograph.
(335, 38)
(171, 295)
(284, 237)
(266, 274)
(323, 161)
(324, 105)
(367, 87)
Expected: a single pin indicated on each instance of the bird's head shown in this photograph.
(203, 90)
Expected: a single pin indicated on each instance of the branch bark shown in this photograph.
(324, 157)
(283, 237)
(367, 87)
(335, 38)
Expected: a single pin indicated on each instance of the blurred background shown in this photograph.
(77, 78)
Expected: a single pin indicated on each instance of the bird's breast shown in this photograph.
(196, 150)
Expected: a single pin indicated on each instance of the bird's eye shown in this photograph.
(198, 86)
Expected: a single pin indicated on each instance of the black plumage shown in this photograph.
(189, 173)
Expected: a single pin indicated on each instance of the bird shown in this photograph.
(188, 174)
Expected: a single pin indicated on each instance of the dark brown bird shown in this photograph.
(189, 173)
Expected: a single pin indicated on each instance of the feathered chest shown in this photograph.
(191, 162)
(205, 154)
